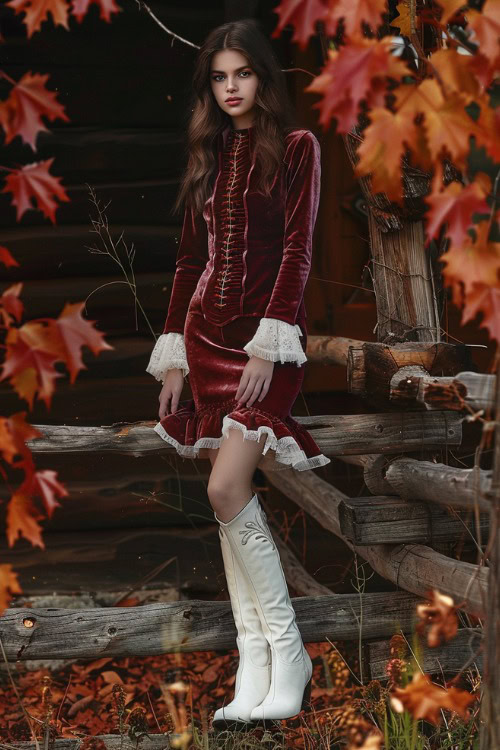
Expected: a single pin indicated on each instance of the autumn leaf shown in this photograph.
(34, 182)
(351, 75)
(450, 8)
(403, 21)
(486, 26)
(6, 258)
(424, 700)
(441, 615)
(74, 332)
(472, 262)
(381, 150)
(354, 14)
(455, 73)
(455, 206)
(106, 8)
(22, 520)
(11, 306)
(44, 484)
(27, 103)
(302, 15)
(37, 11)
(29, 362)
(14, 431)
(9, 586)
(484, 299)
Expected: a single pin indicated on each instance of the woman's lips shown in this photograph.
(233, 102)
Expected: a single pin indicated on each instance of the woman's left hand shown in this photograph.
(255, 381)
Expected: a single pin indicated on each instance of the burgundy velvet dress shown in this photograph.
(246, 259)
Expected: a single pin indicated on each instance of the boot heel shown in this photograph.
(306, 700)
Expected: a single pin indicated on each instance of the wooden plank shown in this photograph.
(413, 567)
(189, 626)
(465, 390)
(335, 435)
(379, 520)
(438, 483)
(448, 658)
(330, 350)
(149, 741)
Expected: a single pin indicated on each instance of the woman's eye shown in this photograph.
(219, 75)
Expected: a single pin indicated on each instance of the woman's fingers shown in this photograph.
(265, 389)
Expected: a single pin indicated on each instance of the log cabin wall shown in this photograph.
(124, 86)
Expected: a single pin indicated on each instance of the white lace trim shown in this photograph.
(169, 353)
(276, 340)
(287, 449)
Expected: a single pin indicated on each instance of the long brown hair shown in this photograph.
(273, 118)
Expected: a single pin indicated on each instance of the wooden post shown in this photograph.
(490, 704)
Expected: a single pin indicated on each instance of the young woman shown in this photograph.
(236, 312)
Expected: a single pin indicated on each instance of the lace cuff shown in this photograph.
(169, 353)
(276, 340)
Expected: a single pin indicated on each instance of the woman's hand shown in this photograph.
(255, 380)
(171, 392)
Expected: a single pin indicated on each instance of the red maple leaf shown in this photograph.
(27, 103)
(302, 15)
(45, 485)
(106, 8)
(424, 700)
(6, 257)
(351, 75)
(455, 206)
(354, 14)
(73, 332)
(34, 182)
(37, 11)
(9, 585)
(11, 307)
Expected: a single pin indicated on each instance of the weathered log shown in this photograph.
(413, 567)
(335, 435)
(379, 520)
(448, 657)
(189, 626)
(371, 367)
(330, 350)
(467, 389)
(111, 741)
(437, 483)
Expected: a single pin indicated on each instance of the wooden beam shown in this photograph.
(189, 626)
(467, 389)
(414, 567)
(441, 484)
(448, 657)
(335, 435)
(149, 741)
(330, 350)
(392, 520)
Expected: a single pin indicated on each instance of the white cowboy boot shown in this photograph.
(291, 672)
(253, 677)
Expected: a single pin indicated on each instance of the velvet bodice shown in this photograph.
(247, 254)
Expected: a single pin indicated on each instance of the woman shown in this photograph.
(235, 316)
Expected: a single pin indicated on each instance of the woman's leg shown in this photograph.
(253, 677)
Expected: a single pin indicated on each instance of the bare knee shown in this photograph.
(226, 496)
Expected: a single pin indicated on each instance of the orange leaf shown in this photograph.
(37, 11)
(486, 25)
(11, 307)
(382, 148)
(14, 431)
(403, 21)
(472, 262)
(34, 182)
(455, 206)
(424, 700)
(28, 101)
(450, 8)
(441, 615)
(456, 73)
(9, 585)
(22, 520)
(484, 299)
(106, 8)
(353, 15)
(302, 15)
(45, 485)
(351, 75)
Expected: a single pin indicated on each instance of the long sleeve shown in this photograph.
(169, 352)
(192, 257)
(302, 200)
(276, 340)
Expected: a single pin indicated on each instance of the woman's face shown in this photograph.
(231, 76)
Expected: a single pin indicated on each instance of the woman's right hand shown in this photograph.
(171, 392)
